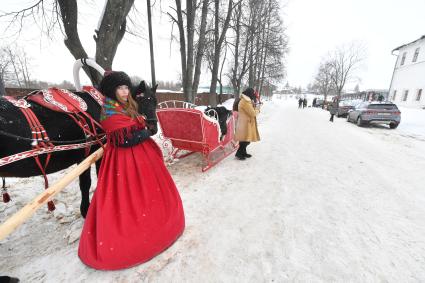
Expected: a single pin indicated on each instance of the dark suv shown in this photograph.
(375, 113)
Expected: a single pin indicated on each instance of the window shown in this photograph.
(415, 56)
(402, 59)
(394, 95)
(418, 95)
(406, 94)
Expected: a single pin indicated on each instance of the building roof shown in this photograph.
(404, 45)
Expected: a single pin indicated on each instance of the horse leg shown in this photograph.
(98, 166)
(5, 195)
(85, 184)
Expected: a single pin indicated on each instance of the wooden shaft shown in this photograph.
(27, 211)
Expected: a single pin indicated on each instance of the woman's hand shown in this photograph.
(138, 136)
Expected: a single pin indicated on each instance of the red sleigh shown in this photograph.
(190, 129)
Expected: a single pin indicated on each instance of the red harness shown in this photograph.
(59, 100)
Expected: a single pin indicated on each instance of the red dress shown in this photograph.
(136, 211)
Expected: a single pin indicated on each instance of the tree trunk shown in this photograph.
(217, 50)
(182, 37)
(245, 61)
(265, 52)
(2, 86)
(69, 14)
(15, 69)
(201, 47)
(191, 10)
(111, 31)
(251, 65)
(236, 56)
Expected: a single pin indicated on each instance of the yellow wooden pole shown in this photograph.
(27, 211)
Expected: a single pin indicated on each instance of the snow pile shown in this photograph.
(412, 122)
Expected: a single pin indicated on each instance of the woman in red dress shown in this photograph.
(136, 211)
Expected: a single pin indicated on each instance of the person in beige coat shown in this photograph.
(246, 125)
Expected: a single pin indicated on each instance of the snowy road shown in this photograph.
(317, 202)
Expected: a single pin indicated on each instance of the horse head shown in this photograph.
(145, 97)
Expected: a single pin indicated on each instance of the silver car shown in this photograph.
(367, 113)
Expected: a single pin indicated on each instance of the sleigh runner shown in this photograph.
(186, 128)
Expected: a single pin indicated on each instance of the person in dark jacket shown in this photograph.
(333, 109)
(300, 102)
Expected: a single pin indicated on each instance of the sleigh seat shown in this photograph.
(192, 130)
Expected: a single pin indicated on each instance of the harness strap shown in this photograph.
(82, 123)
(40, 140)
(94, 123)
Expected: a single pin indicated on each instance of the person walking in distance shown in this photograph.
(333, 109)
(246, 125)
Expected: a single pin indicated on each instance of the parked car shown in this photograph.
(343, 108)
(375, 113)
(319, 103)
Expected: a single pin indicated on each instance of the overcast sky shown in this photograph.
(314, 27)
(318, 26)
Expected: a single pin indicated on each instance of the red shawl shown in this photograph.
(119, 126)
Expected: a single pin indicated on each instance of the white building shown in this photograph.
(408, 81)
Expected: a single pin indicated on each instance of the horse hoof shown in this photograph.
(51, 206)
(9, 279)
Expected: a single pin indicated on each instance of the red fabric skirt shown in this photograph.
(136, 211)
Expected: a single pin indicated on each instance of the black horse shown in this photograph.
(223, 115)
(15, 136)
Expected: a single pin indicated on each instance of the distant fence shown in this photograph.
(372, 95)
(18, 91)
(200, 99)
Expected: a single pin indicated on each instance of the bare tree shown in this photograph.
(200, 53)
(14, 67)
(186, 23)
(51, 13)
(344, 62)
(242, 26)
(259, 45)
(4, 70)
(234, 76)
(218, 41)
(323, 81)
(19, 61)
(273, 48)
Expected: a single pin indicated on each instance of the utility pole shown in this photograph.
(148, 3)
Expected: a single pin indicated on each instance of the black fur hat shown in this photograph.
(111, 81)
(249, 92)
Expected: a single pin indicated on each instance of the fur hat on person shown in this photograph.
(111, 81)
(250, 93)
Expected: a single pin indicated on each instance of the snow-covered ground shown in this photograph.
(412, 122)
(317, 202)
